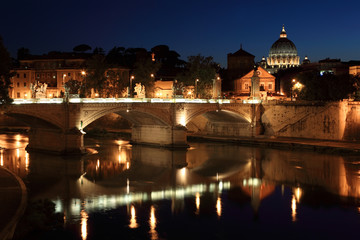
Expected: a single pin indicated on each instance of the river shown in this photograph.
(210, 191)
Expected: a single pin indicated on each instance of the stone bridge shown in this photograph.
(57, 126)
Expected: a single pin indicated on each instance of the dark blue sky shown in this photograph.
(319, 29)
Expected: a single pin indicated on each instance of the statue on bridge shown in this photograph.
(139, 90)
(38, 90)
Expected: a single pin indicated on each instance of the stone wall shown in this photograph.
(331, 121)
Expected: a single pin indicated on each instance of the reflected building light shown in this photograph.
(218, 206)
(26, 161)
(75, 208)
(84, 218)
(293, 208)
(127, 165)
(152, 223)
(127, 186)
(97, 164)
(133, 223)
(18, 152)
(217, 176)
(298, 193)
(2, 158)
(182, 175)
(220, 186)
(197, 203)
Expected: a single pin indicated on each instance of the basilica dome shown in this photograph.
(283, 53)
(283, 46)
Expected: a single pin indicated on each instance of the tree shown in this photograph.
(115, 56)
(167, 57)
(327, 87)
(73, 86)
(5, 75)
(115, 84)
(95, 78)
(145, 70)
(202, 68)
(82, 48)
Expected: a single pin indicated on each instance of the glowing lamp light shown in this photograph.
(83, 73)
(96, 94)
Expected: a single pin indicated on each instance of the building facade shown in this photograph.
(238, 64)
(45, 76)
(266, 82)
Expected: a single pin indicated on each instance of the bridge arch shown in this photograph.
(135, 115)
(33, 117)
(229, 113)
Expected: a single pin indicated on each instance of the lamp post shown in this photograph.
(196, 92)
(291, 90)
(130, 87)
(83, 73)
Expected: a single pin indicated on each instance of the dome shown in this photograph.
(283, 46)
(283, 54)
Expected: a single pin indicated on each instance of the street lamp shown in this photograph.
(130, 87)
(196, 92)
(291, 90)
(83, 73)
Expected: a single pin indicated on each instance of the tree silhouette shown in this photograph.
(5, 75)
(82, 48)
(202, 68)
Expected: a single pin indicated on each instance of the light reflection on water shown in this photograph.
(116, 174)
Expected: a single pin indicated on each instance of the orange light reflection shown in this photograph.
(133, 223)
(218, 206)
(152, 223)
(84, 218)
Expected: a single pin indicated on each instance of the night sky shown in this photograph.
(319, 29)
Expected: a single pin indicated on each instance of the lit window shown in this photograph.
(246, 86)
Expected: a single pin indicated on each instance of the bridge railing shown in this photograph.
(119, 100)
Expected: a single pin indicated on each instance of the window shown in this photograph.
(17, 75)
(69, 74)
(246, 86)
(24, 84)
(270, 86)
(18, 84)
(262, 87)
(24, 75)
(18, 95)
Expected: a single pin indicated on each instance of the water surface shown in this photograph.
(210, 191)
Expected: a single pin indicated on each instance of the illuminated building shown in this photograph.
(283, 54)
(354, 70)
(267, 82)
(54, 70)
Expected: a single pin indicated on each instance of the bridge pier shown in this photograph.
(164, 136)
(56, 141)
